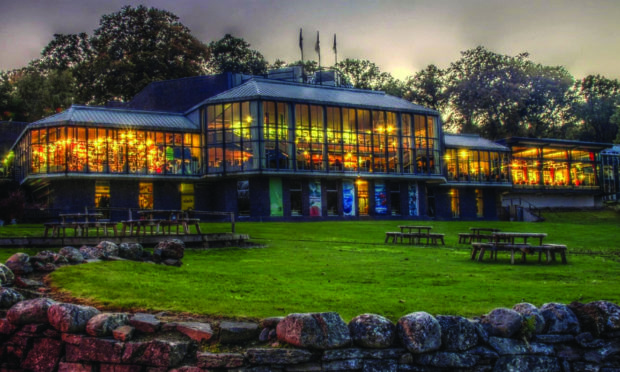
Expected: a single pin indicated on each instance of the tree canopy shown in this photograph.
(232, 54)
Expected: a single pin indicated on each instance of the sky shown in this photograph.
(401, 36)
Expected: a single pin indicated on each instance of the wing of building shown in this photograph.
(268, 148)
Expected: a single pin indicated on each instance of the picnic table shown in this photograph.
(414, 234)
(517, 242)
(81, 223)
(477, 234)
(174, 218)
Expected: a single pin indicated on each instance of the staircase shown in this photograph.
(524, 211)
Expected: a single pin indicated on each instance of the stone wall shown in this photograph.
(40, 334)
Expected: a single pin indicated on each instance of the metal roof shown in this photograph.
(114, 117)
(472, 141)
(260, 88)
(552, 142)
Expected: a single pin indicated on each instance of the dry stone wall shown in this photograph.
(40, 334)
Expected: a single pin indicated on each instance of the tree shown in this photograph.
(498, 96)
(364, 74)
(278, 64)
(134, 47)
(65, 52)
(426, 87)
(232, 54)
(599, 100)
(38, 95)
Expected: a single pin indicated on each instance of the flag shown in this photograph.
(301, 41)
(334, 47)
(317, 46)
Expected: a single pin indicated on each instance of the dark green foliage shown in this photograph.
(599, 101)
(232, 54)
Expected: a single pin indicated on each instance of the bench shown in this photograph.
(465, 238)
(394, 236)
(436, 238)
(55, 228)
(548, 249)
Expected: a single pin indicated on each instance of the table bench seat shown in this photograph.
(549, 250)
(393, 236)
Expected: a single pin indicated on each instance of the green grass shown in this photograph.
(345, 267)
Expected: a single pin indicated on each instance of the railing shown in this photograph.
(529, 206)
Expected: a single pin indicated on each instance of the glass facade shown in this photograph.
(112, 151)
(554, 167)
(467, 165)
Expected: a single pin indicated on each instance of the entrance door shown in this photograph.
(362, 197)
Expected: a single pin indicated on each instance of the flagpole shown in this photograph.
(301, 46)
(335, 51)
(317, 48)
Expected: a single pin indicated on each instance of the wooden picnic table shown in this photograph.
(80, 223)
(509, 242)
(477, 234)
(175, 218)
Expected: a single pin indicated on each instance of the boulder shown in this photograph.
(70, 318)
(419, 332)
(169, 249)
(72, 254)
(131, 251)
(102, 325)
(44, 267)
(457, 333)
(529, 311)
(44, 355)
(19, 263)
(146, 323)
(30, 311)
(236, 332)
(597, 317)
(314, 330)
(529, 363)
(502, 322)
(90, 252)
(6, 276)
(559, 319)
(43, 257)
(372, 331)
(445, 359)
(219, 360)
(197, 331)
(278, 356)
(156, 353)
(107, 249)
(9, 297)
(123, 333)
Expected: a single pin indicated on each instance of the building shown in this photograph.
(275, 148)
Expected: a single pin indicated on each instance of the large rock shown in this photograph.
(527, 363)
(219, 360)
(157, 353)
(9, 297)
(278, 356)
(102, 325)
(530, 313)
(131, 251)
(44, 257)
(19, 263)
(197, 331)
(7, 278)
(44, 355)
(107, 249)
(559, 319)
(236, 332)
(169, 249)
(597, 317)
(502, 322)
(510, 346)
(314, 330)
(372, 331)
(70, 318)
(146, 323)
(457, 333)
(30, 311)
(419, 332)
(72, 254)
(445, 359)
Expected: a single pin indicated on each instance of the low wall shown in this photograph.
(42, 335)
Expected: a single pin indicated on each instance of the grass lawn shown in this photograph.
(345, 267)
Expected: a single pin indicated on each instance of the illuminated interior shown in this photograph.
(553, 167)
(467, 165)
(103, 150)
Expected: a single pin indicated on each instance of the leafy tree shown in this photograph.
(599, 100)
(65, 52)
(364, 74)
(310, 67)
(278, 64)
(232, 54)
(498, 96)
(37, 95)
(426, 87)
(134, 47)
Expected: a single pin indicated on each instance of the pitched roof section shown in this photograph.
(180, 94)
(472, 141)
(260, 88)
(111, 117)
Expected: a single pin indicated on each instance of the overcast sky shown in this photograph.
(401, 36)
